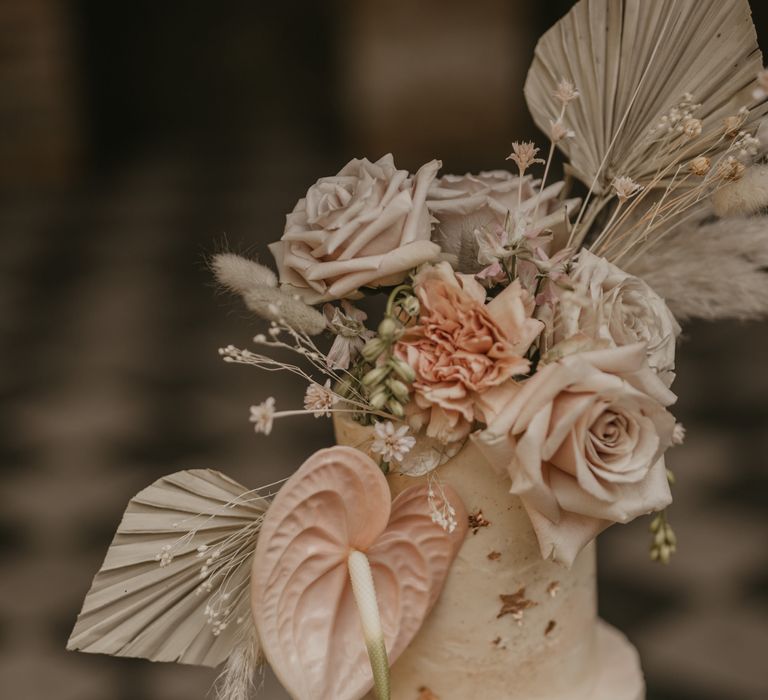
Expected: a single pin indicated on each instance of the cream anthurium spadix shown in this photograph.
(334, 509)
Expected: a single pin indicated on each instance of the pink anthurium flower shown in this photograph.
(311, 628)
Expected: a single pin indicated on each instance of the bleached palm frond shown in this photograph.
(634, 60)
(175, 582)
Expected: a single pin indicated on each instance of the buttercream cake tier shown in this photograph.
(508, 625)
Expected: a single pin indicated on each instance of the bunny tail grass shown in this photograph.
(236, 681)
(365, 597)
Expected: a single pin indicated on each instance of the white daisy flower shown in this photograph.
(262, 416)
(392, 444)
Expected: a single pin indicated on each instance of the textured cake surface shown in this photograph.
(508, 624)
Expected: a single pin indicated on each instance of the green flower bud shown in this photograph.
(402, 369)
(410, 305)
(378, 398)
(376, 376)
(398, 389)
(395, 408)
(388, 329)
(373, 349)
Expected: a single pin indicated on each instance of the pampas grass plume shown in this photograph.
(277, 305)
(241, 275)
(236, 681)
(715, 271)
(745, 196)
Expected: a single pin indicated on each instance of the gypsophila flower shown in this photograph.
(761, 91)
(566, 91)
(558, 131)
(731, 169)
(700, 166)
(392, 444)
(625, 188)
(262, 416)
(691, 127)
(678, 434)
(440, 509)
(524, 154)
(747, 145)
(320, 399)
(733, 123)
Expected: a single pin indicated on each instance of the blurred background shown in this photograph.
(136, 139)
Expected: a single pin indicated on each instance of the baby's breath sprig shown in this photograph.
(664, 542)
(388, 380)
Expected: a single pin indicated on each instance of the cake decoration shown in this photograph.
(515, 380)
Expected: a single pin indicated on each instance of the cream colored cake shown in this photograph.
(508, 625)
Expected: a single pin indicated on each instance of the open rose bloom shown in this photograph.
(366, 226)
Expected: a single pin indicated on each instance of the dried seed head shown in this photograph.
(731, 169)
(625, 188)
(700, 166)
(558, 131)
(691, 127)
(524, 154)
(566, 91)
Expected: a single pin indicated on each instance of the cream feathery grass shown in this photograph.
(713, 271)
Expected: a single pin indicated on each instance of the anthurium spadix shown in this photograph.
(331, 537)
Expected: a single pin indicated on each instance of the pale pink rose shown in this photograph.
(462, 347)
(583, 441)
(464, 204)
(366, 226)
(616, 308)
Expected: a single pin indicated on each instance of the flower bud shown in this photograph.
(376, 376)
(373, 349)
(410, 305)
(395, 408)
(398, 389)
(388, 329)
(402, 369)
(378, 398)
(700, 166)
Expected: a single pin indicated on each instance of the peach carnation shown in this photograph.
(462, 347)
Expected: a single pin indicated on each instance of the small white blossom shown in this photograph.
(626, 188)
(691, 127)
(262, 416)
(320, 399)
(678, 434)
(392, 444)
(440, 509)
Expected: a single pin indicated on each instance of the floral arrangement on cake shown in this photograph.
(537, 319)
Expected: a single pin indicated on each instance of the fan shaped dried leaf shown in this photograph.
(149, 599)
(634, 60)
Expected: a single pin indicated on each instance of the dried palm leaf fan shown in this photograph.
(201, 528)
(634, 60)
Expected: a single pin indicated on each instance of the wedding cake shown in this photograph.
(509, 401)
(508, 622)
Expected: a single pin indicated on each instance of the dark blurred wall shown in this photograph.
(139, 137)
